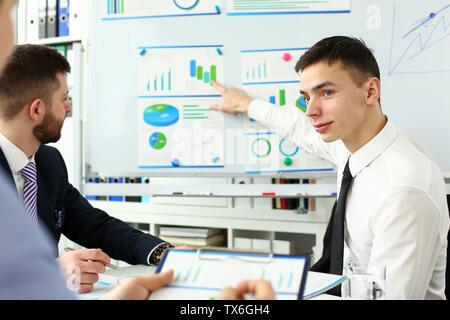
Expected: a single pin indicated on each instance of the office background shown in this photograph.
(410, 46)
(100, 139)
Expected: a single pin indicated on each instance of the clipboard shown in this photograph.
(201, 274)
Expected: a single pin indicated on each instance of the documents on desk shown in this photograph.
(316, 283)
(201, 274)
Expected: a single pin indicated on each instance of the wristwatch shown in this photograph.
(156, 255)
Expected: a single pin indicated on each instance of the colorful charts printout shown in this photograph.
(176, 127)
(181, 131)
(270, 75)
(128, 9)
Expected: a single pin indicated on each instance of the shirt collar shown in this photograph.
(372, 149)
(16, 158)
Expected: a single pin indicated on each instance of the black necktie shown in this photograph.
(333, 241)
(337, 238)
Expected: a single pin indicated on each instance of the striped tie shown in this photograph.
(30, 190)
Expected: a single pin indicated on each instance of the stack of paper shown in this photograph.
(193, 236)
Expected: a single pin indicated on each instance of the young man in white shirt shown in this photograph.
(396, 212)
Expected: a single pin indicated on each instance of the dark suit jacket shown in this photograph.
(63, 210)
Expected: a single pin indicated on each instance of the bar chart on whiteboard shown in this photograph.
(176, 127)
(270, 75)
(179, 70)
(122, 9)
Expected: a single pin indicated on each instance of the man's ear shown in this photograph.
(373, 92)
(36, 109)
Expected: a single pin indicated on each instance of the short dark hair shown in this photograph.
(355, 56)
(30, 73)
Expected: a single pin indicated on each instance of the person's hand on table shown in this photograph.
(139, 288)
(260, 289)
(81, 267)
(234, 100)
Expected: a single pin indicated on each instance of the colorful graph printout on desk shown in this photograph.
(132, 9)
(202, 277)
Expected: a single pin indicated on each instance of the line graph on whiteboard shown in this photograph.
(420, 46)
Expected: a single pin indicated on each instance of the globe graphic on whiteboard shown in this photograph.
(161, 115)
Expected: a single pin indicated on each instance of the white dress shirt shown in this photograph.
(17, 160)
(396, 211)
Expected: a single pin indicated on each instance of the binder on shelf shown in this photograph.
(284, 201)
(75, 17)
(104, 198)
(311, 200)
(145, 199)
(306, 199)
(63, 18)
(52, 18)
(42, 19)
(61, 49)
(293, 203)
(115, 198)
(74, 65)
(32, 30)
(133, 198)
(91, 180)
(277, 200)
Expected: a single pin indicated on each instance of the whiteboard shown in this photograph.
(410, 40)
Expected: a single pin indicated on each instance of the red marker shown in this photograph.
(269, 194)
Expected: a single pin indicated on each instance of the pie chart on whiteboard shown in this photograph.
(157, 140)
(161, 115)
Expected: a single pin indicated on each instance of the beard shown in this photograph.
(49, 130)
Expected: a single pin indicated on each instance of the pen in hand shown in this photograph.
(67, 249)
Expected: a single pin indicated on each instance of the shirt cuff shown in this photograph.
(259, 110)
(155, 248)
